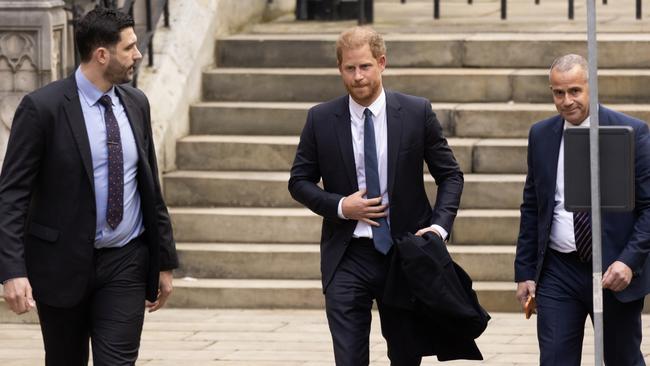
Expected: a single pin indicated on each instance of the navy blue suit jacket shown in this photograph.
(625, 235)
(325, 152)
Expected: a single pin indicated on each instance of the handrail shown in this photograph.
(145, 36)
(363, 17)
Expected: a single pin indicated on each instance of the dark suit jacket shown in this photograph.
(325, 151)
(47, 199)
(438, 294)
(625, 235)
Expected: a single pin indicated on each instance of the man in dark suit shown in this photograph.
(553, 260)
(84, 233)
(368, 148)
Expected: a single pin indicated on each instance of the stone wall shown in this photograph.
(183, 52)
(33, 40)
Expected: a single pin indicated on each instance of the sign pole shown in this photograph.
(592, 48)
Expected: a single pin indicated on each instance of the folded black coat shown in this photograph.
(438, 295)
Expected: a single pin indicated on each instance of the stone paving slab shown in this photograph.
(234, 337)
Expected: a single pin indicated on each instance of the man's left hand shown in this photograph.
(617, 277)
(164, 290)
(426, 230)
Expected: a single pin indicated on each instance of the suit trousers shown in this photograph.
(110, 315)
(564, 300)
(359, 278)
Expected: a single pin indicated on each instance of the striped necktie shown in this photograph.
(582, 233)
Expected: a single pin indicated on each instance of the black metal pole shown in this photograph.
(504, 4)
(149, 31)
(436, 9)
(638, 9)
(362, 13)
(166, 13)
(571, 9)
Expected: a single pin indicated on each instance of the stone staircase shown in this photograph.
(244, 243)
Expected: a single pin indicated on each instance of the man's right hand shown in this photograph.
(355, 207)
(18, 295)
(523, 290)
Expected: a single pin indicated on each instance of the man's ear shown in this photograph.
(381, 61)
(101, 55)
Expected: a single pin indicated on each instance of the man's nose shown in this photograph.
(137, 55)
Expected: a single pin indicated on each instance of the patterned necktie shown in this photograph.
(381, 235)
(115, 205)
(582, 233)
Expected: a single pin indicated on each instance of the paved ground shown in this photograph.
(276, 338)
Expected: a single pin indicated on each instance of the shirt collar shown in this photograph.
(584, 123)
(376, 107)
(89, 92)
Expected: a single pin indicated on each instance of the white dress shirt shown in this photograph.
(357, 119)
(562, 237)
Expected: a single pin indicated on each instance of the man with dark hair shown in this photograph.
(553, 260)
(368, 148)
(84, 233)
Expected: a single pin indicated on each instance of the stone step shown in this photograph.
(302, 261)
(455, 85)
(299, 225)
(301, 294)
(276, 153)
(476, 120)
(269, 189)
(435, 50)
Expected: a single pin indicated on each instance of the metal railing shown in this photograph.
(154, 9)
(365, 18)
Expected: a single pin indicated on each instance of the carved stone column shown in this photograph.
(33, 42)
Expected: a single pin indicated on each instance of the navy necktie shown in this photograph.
(380, 235)
(115, 204)
(582, 233)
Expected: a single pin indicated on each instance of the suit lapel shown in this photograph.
(344, 135)
(394, 132)
(76, 121)
(136, 120)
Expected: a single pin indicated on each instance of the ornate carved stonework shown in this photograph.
(18, 62)
(17, 48)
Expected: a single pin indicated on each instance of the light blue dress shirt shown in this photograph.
(131, 225)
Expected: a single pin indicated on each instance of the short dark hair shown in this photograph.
(101, 27)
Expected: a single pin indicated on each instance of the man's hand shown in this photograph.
(617, 277)
(18, 295)
(523, 290)
(355, 207)
(427, 230)
(164, 290)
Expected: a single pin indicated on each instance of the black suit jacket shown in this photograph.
(625, 235)
(438, 294)
(325, 152)
(47, 199)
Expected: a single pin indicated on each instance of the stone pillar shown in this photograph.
(33, 43)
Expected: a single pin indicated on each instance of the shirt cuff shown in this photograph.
(339, 210)
(439, 229)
